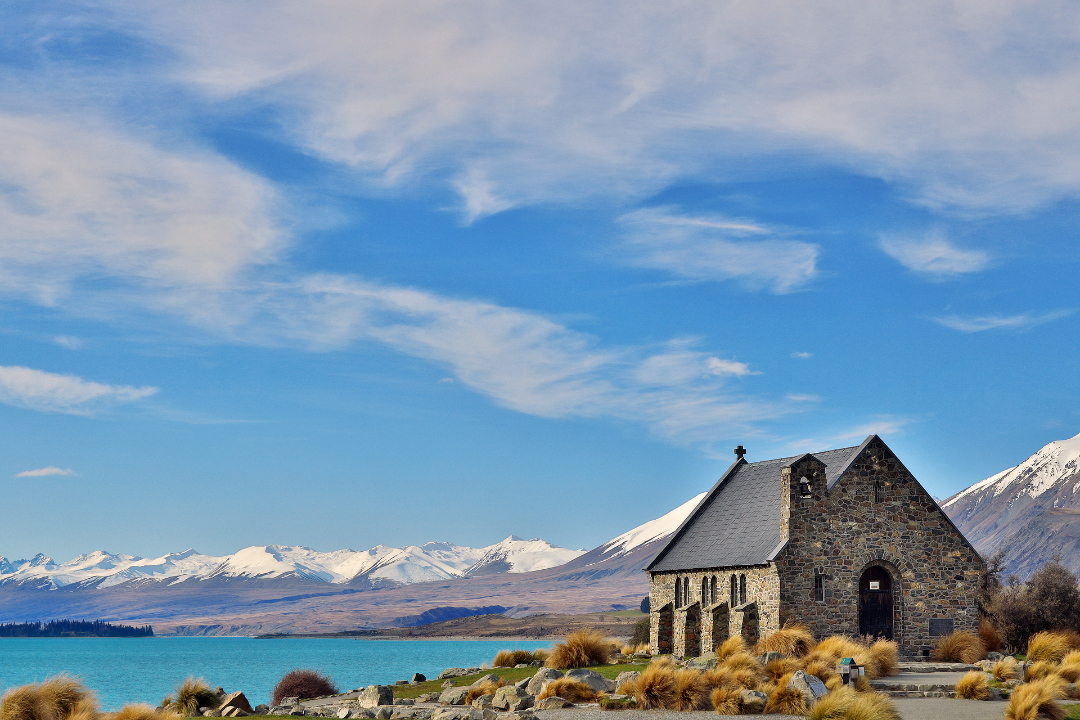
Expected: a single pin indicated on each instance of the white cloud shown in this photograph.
(933, 254)
(969, 107)
(802, 355)
(974, 324)
(49, 392)
(730, 367)
(68, 342)
(43, 472)
(713, 248)
(802, 397)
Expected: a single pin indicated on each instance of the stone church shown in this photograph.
(846, 541)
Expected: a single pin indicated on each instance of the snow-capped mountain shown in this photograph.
(381, 565)
(1029, 509)
(653, 530)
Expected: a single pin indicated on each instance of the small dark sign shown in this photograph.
(939, 627)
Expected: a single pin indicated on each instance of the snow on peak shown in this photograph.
(1033, 477)
(652, 530)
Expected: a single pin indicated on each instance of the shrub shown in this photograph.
(1003, 670)
(303, 683)
(1037, 699)
(1048, 646)
(656, 687)
(1049, 601)
(141, 711)
(644, 607)
(60, 697)
(833, 706)
(568, 689)
(511, 658)
(732, 646)
(786, 701)
(581, 648)
(485, 688)
(690, 690)
(962, 646)
(726, 701)
(973, 686)
(886, 656)
(989, 636)
(641, 633)
(792, 640)
(872, 706)
(776, 669)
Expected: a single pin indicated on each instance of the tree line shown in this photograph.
(73, 628)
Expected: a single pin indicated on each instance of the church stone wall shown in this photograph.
(877, 514)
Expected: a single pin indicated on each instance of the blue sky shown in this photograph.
(340, 274)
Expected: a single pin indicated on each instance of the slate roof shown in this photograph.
(738, 521)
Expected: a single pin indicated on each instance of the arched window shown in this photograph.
(734, 587)
(704, 590)
(742, 589)
(712, 590)
(678, 592)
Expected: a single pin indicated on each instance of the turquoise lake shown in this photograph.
(122, 670)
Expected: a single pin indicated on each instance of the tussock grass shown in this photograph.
(862, 684)
(833, 706)
(194, 693)
(57, 698)
(1006, 669)
(664, 661)
(833, 648)
(1037, 699)
(785, 701)
(821, 669)
(581, 648)
(741, 661)
(776, 669)
(718, 677)
(628, 687)
(87, 709)
(691, 692)
(1069, 671)
(834, 683)
(656, 687)
(886, 655)
(734, 645)
(973, 686)
(990, 637)
(746, 678)
(568, 689)
(792, 640)
(511, 658)
(487, 688)
(1039, 670)
(726, 701)
(1049, 646)
(872, 706)
(961, 646)
(140, 711)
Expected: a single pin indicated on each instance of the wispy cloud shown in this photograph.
(933, 254)
(68, 342)
(801, 355)
(45, 471)
(701, 248)
(976, 323)
(49, 392)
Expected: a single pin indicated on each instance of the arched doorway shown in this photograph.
(876, 603)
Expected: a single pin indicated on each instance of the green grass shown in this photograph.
(510, 675)
(1074, 712)
(628, 613)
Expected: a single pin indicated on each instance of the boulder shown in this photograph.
(452, 673)
(812, 688)
(706, 661)
(418, 678)
(280, 710)
(454, 696)
(457, 714)
(362, 713)
(542, 677)
(521, 665)
(290, 701)
(625, 677)
(484, 701)
(523, 683)
(384, 712)
(752, 701)
(343, 713)
(489, 678)
(238, 700)
(375, 696)
(207, 712)
(261, 709)
(233, 711)
(404, 701)
(428, 697)
(994, 656)
(553, 703)
(596, 681)
(510, 697)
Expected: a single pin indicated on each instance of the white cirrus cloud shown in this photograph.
(45, 471)
(68, 342)
(51, 392)
(981, 323)
(702, 248)
(932, 254)
(802, 355)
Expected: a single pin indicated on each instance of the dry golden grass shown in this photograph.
(872, 706)
(973, 686)
(581, 648)
(87, 709)
(785, 701)
(510, 658)
(1048, 646)
(140, 711)
(990, 637)
(664, 661)
(821, 669)
(58, 698)
(726, 701)
(1071, 658)
(486, 688)
(656, 687)
(741, 661)
(1037, 699)
(1069, 671)
(59, 694)
(734, 645)
(718, 677)
(691, 692)
(862, 684)
(568, 689)
(886, 656)
(1039, 670)
(778, 668)
(834, 683)
(961, 646)
(190, 696)
(792, 640)
(746, 678)
(833, 706)
(1071, 637)
(1006, 669)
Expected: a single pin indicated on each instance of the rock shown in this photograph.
(428, 697)
(261, 709)
(290, 701)
(384, 712)
(452, 673)
(553, 703)
(401, 682)
(625, 677)
(525, 715)
(752, 701)
(521, 665)
(279, 710)
(593, 679)
(489, 714)
(523, 683)
(418, 678)
(542, 677)
(454, 696)
(236, 699)
(402, 714)
(536, 663)
(210, 713)
(994, 656)
(458, 714)
(404, 701)
(362, 713)
(375, 695)
(511, 697)
(617, 702)
(706, 661)
(491, 678)
(769, 657)
(812, 688)
(448, 684)
(343, 713)
(484, 701)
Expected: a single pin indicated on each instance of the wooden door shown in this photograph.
(876, 603)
